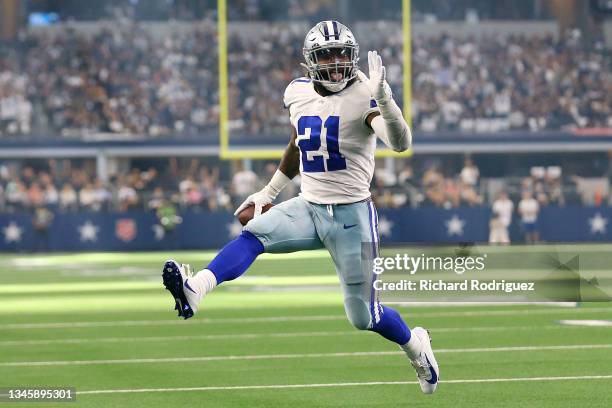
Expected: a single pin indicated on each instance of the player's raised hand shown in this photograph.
(258, 199)
(377, 83)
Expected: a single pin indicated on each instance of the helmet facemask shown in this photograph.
(332, 65)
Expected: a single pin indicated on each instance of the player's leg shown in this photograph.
(286, 227)
(353, 242)
(350, 235)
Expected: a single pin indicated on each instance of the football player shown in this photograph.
(336, 112)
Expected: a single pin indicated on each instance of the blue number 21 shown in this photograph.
(332, 126)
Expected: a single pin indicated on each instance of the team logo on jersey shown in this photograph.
(125, 229)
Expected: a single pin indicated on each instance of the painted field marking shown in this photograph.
(347, 384)
(195, 359)
(588, 323)
(415, 313)
(241, 336)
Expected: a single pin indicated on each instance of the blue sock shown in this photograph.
(235, 257)
(391, 326)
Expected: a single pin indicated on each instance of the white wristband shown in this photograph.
(278, 181)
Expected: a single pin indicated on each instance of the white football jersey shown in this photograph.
(336, 145)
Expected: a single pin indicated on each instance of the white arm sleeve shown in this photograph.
(277, 183)
(391, 127)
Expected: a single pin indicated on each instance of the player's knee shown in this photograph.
(357, 312)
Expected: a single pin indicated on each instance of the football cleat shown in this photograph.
(425, 364)
(175, 277)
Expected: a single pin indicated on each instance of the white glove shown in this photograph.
(259, 199)
(379, 88)
(266, 195)
(393, 129)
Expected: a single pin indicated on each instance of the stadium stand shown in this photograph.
(166, 86)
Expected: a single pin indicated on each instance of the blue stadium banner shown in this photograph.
(209, 230)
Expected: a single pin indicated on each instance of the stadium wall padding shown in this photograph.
(211, 230)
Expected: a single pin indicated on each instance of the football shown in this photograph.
(246, 215)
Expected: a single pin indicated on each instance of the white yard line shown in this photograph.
(414, 313)
(586, 323)
(444, 304)
(242, 336)
(291, 356)
(348, 384)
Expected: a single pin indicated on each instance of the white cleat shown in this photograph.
(425, 364)
(176, 280)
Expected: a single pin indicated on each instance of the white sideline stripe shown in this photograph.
(414, 313)
(266, 335)
(348, 384)
(290, 356)
(589, 323)
(556, 304)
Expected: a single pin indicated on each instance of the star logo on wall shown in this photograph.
(385, 227)
(12, 232)
(598, 224)
(88, 232)
(454, 226)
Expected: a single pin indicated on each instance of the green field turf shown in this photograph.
(277, 337)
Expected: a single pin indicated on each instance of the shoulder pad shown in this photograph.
(294, 89)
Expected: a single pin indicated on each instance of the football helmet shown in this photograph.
(331, 53)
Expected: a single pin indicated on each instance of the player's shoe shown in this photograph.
(176, 280)
(425, 364)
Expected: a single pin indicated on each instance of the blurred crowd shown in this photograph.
(435, 183)
(485, 85)
(119, 81)
(125, 80)
(193, 184)
(516, 83)
(428, 186)
(281, 10)
(65, 186)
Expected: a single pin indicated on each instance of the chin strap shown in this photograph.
(331, 87)
(334, 87)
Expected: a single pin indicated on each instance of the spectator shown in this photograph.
(433, 183)
(102, 196)
(157, 199)
(16, 195)
(244, 183)
(469, 174)
(42, 220)
(36, 196)
(529, 209)
(469, 195)
(126, 196)
(87, 198)
(501, 220)
(68, 198)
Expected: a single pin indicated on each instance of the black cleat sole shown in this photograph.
(173, 281)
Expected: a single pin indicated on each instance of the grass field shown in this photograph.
(276, 338)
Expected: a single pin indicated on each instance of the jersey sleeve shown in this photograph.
(373, 108)
(293, 91)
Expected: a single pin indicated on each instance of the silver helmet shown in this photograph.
(331, 55)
